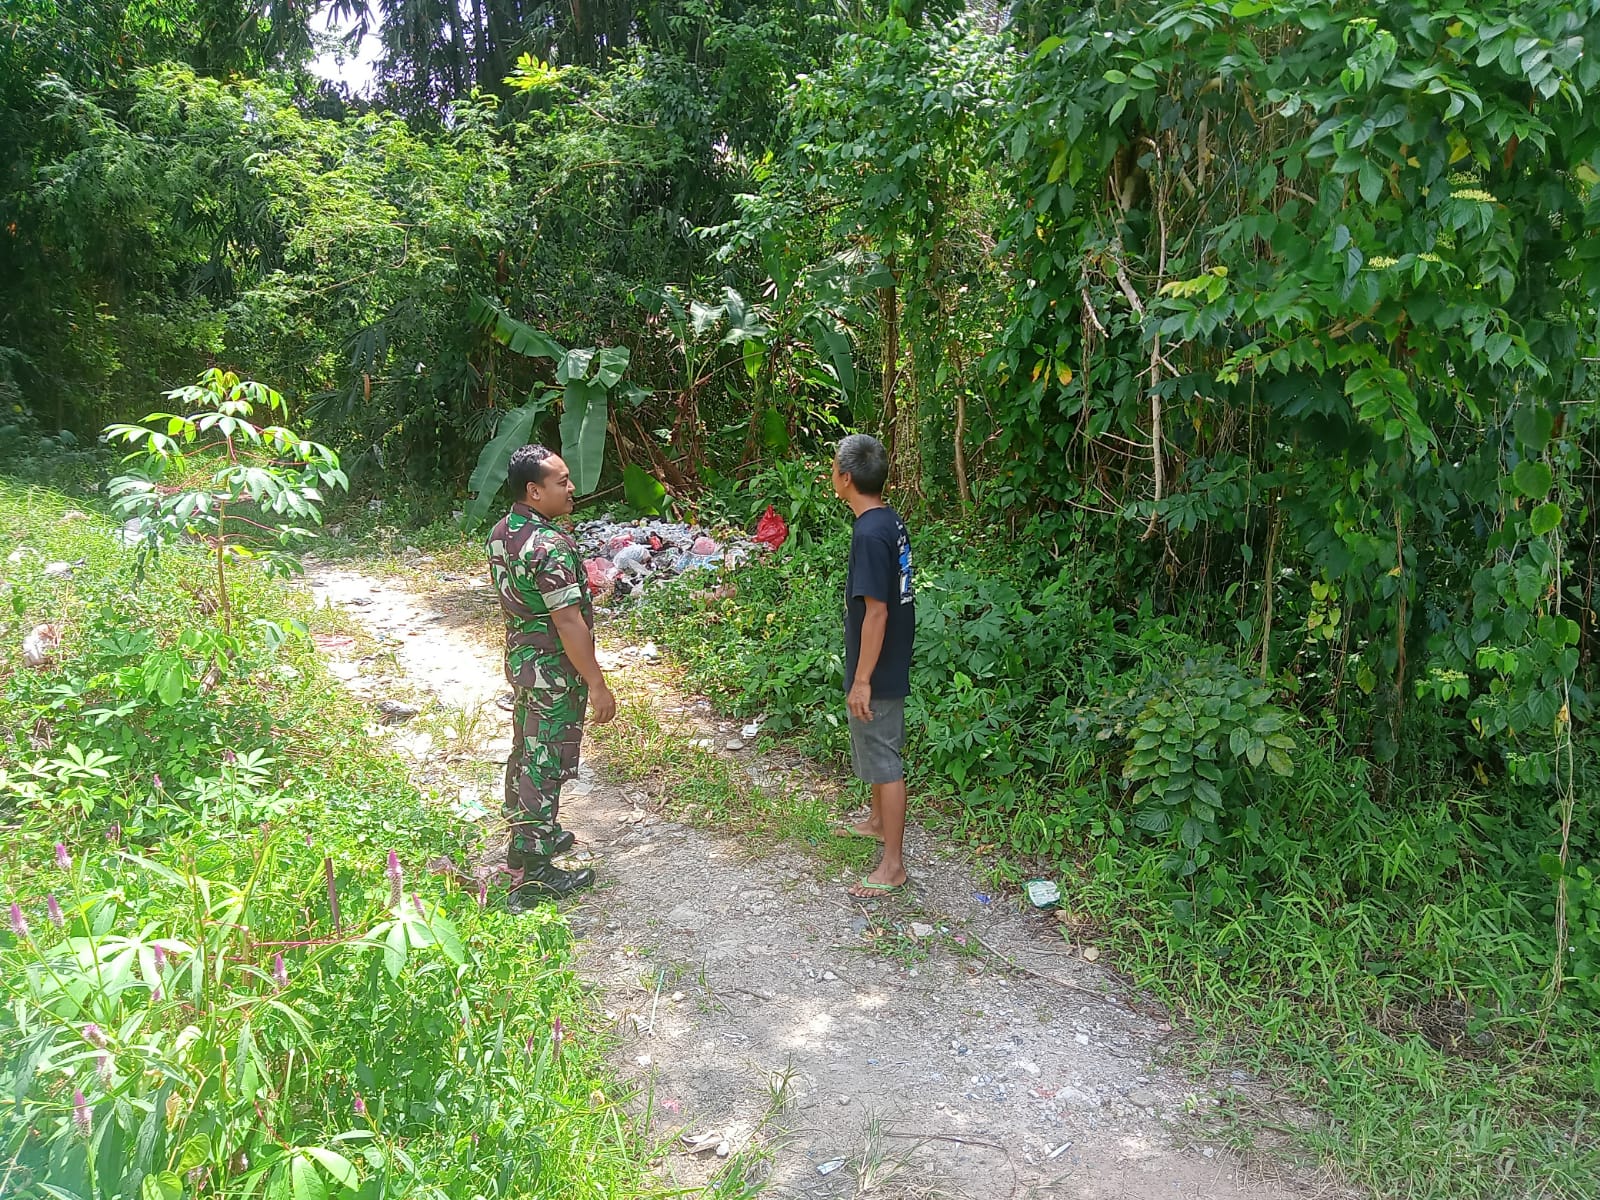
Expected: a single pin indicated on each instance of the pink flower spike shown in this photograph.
(155, 994)
(155, 782)
(161, 959)
(280, 973)
(80, 1114)
(63, 859)
(92, 1035)
(359, 1105)
(228, 756)
(527, 1046)
(556, 1037)
(483, 893)
(114, 834)
(417, 901)
(397, 879)
(54, 909)
(19, 923)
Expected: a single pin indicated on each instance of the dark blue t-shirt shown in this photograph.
(880, 568)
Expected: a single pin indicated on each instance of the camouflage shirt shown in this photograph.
(536, 569)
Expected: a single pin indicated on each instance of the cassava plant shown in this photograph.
(210, 474)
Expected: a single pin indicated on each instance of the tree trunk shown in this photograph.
(899, 421)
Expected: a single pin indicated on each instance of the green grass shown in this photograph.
(212, 828)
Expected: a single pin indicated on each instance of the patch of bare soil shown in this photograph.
(943, 1044)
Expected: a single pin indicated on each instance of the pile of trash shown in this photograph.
(621, 557)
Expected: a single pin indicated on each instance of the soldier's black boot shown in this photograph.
(543, 881)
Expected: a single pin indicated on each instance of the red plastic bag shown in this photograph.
(772, 530)
(602, 575)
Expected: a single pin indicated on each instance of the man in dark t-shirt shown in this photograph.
(879, 628)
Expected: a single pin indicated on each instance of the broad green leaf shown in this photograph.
(1533, 478)
(583, 432)
(1534, 426)
(489, 476)
(1279, 762)
(833, 348)
(574, 365)
(168, 1185)
(609, 365)
(448, 939)
(1543, 519)
(515, 335)
(394, 949)
(340, 1168)
(643, 491)
(195, 1151)
(306, 1181)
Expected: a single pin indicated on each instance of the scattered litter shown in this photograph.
(920, 930)
(635, 560)
(328, 642)
(829, 1167)
(1090, 953)
(750, 730)
(343, 670)
(643, 1060)
(1081, 1038)
(1059, 1150)
(602, 575)
(1041, 893)
(724, 1149)
(844, 1099)
(41, 644)
(677, 997)
(699, 1143)
(829, 977)
(396, 710)
(983, 897)
(62, 570)
(73, 514)
(735, 744)
(621, 558)
(772, 530)
(20, 553)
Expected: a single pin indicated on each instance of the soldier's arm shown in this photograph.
(578, 643)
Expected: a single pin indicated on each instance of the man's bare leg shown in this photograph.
(891, 869)
(872, 827)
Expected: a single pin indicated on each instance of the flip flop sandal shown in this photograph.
(880, 889)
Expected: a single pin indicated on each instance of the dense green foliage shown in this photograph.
(217, 980)
(1236, 363)
(1389, 957)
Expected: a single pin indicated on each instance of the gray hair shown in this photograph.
(864, 459)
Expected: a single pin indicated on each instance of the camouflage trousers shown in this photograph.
(546, 735)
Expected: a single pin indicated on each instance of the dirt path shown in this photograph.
(795, 1034)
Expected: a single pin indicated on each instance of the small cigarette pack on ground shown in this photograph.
(1041, 893)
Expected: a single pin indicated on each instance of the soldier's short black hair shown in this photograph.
(863, 458)
(527, 466)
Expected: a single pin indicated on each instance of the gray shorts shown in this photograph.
(875, 745)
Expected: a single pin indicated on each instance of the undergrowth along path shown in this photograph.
(785, 1039)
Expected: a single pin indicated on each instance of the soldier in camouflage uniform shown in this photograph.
(550, 664)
